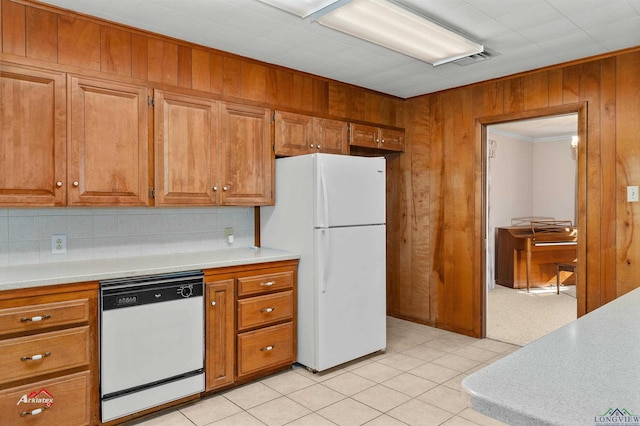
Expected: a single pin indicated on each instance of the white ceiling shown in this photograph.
(526, 34)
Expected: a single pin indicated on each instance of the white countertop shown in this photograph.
(18, 277)
(572, 376)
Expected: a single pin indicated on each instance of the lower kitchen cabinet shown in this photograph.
(48, 367)
(251, 322)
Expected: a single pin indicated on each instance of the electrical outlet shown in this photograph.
(228, 232)
(58, 244)
(632, 194)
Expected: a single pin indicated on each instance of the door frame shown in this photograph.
(481, 134)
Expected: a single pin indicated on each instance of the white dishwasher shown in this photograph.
(151, 341)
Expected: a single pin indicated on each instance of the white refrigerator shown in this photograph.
(331, 210)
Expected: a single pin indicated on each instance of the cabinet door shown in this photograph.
(364, 136)
(246, 156)
(185, 143)
(33, 137)
(220, 347)
(293, 134)
(392, 140)
(332, 136)
(108, 151)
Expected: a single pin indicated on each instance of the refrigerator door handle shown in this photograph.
(325, 198)
(325, 260)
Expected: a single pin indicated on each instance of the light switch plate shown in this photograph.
(632, 194)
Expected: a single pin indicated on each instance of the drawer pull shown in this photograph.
(268, 348)
(267, 310)
(36, 318)
(33, 412)
(35, 357)
(267, 284)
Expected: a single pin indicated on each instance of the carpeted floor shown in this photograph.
(515, 316)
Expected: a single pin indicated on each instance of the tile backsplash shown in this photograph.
(99, 233)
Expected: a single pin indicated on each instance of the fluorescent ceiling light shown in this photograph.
(395, 27)
(302, 8)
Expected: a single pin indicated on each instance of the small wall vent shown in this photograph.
(478, 57)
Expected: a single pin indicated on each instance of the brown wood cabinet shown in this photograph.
(48, 364)
(32, 157)
(366, 136)
(251, 325)
(297, 134)
(108, 145)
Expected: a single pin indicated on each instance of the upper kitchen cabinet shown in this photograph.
(246, 156)
(108, 144)
(33, 136)
(297, 134)
(186, 154)
(376, 137)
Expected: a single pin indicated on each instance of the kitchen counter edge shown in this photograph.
(38, 275)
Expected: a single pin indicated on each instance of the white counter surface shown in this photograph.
(577, 375)
(18, 277)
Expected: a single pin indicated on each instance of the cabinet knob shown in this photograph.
(213, 303)
(224, 188)
(382, 140)
(59, 184)
(377, 140)
(318, 146)
(311, 145)
(215, 188)
(76, 183)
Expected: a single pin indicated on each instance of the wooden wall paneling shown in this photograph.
(513, 95)
(217, 74)
(279, 87)
(463, 262)
(628, 170)
(254, 81)
(231, 76)
(581, 213)
(185, 67)
(492, 99)
(139, 57)
(337, 100)
(78, 42)
(535, 88)
(13, 28)
(555, 87)
(41, 35)
(201, 70)
(571, 84)
(302, 92)
(115, 51)
(590, 92)
(320, 104)
(608, 172)
(1, 18)
(163, 62)
(417, 188)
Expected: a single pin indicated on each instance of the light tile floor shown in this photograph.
(416, 381)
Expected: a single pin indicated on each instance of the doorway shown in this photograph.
(531, 174)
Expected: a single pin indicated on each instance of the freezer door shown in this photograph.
(349, 190)
(351, 293)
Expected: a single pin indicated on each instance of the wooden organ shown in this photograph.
(527, 255)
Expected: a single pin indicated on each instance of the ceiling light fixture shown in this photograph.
(302, 8)
(393, 26)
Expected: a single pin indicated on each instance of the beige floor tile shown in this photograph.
(458, 421)
(250, 395)
(444, 344)
(495, 346)
(424, 352)
(410, 384)
(316, 397)
(434, 372)
(418, 413)
(376, 372)
(401, 361)
(385, 420)
(478, 418)
(348, 383)
(312, 419)
(456, 362)
(456, 382)
(381, 398)
(349, 412)
(241, 419)
(287, 382)
(174, 418)
(319, 376)
(475, 353)
(278, 412)
(445, 398)
(209, 410)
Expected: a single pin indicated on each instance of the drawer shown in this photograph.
(61, 401)
(265, 283)
(44, 353)
(37, 317)
(264, 310)
(265, 348)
